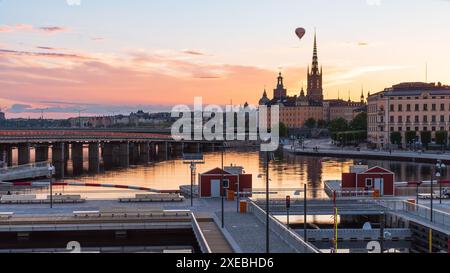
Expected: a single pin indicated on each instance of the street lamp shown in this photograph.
(438, 169)
(440, 172)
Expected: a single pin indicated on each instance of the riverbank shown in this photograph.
(407, 156)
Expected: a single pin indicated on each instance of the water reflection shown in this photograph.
(286, 171)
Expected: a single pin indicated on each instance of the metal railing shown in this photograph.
(417, 211)
(204, 247)
(287, 235)
(25, 167)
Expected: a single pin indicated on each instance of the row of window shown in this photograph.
(408, 108)
(400, 119)
(407, 129)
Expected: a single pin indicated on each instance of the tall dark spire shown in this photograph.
(315, 90)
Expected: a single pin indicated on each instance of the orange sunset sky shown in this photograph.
(109, 57)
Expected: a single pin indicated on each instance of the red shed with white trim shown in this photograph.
(376, 178)
(210, 182)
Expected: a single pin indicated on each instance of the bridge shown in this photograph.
(112, 148)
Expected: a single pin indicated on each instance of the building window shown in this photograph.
(392, 108)
(400, 119)
(416, 129)
(425, 107)
(400, 107)
(442, 107)
(433, 129)
(433, 118)
(392, 119)
(442, 118)
(433, 107)
(408, 107)
(416, 119)
(425, 118)
(392, 129)
(425, 129)
(226, 183)
(369, 183)
(408, 129)
(408, 118)
(400, 129)
(416, 107)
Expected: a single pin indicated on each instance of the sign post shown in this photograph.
(288, 206)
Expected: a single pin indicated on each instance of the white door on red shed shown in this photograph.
(379, 185)
(215, 188)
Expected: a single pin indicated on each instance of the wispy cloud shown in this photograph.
(30, 28)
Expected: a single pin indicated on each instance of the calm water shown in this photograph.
(288, 171)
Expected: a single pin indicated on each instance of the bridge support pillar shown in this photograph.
(24, 154)
(107, 153)
(41, 153)
(144, 152)
(163, 150)
(6, 154)
(58, 158)
(77, 157)
(124, 154)
(134, 152)
(94, 157)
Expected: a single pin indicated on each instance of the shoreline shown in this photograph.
(374, 155)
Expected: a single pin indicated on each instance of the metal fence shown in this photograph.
(204, 247)
(417, 211)
(290, 237)
(25, 167)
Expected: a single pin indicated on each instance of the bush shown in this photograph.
(425, 138)
(396, 138)
(441, 137)
(410, 137)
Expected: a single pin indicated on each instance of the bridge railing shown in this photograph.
(287, 235)
(25, 167)
(204, 247)
(417, 211)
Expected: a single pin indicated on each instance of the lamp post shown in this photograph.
(222, 192)
(267, 203)
(439, 168)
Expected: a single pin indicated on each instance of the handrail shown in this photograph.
(204, 246)
(282, 231)
(417, 210)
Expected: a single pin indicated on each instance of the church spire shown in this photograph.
(315, 60)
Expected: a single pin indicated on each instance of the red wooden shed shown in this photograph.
(376, 178)
(210, 185)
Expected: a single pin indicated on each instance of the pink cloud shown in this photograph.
(30, 28)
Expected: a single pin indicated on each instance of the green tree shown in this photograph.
(441, 137)
(338, 125)
(425, 138)
(359, 123)
(310, 123)
(321, 123)
(396, 138)
(283, 129)
(410, 136)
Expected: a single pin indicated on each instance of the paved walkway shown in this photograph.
(250, 234)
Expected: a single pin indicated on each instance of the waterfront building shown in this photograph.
(296, 110)
(338, 108)
(362, 179)
(412, 106)
(234, 178)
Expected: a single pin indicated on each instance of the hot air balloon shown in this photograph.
(300, 32)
